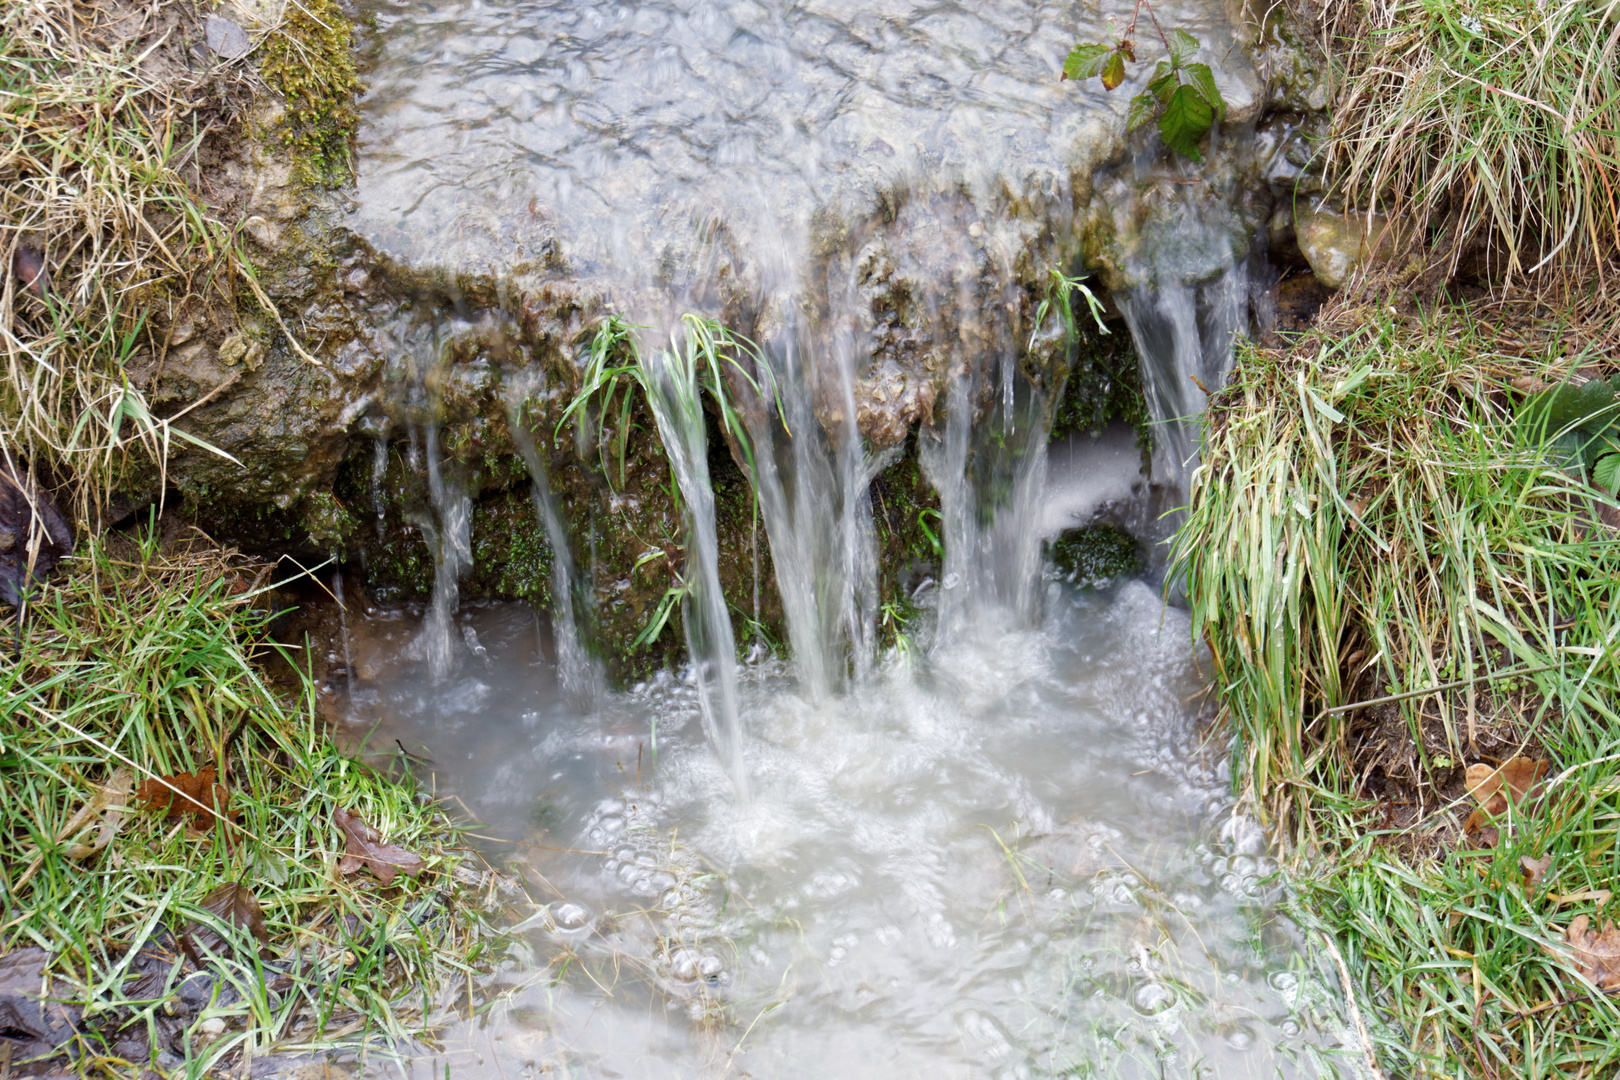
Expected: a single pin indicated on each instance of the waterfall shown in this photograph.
(449, 536)
(1183, 334)
(671, 380)
(814, 496)
(990, 476)
(575, 672)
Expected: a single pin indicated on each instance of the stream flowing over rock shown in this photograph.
(876, 196)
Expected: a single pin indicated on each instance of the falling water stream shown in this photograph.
(1004, 846)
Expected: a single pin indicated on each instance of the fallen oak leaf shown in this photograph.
(1596, 955)
(364, 846)
(1491, 788)
(1534, 871)
(235, 904)
(186, 793)
(1521, 776)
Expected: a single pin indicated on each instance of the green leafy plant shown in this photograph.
(694, 364)
(1580, 426)
(1181, 95)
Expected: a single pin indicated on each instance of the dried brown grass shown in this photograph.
(1491, 132)
(113, 112)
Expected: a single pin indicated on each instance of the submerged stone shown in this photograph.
(1337, 244)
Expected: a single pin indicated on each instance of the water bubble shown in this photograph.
(570, 918)
(683, 964)
(951, 581)
(1286, 983)
(1291, 1028)
(1153, 998)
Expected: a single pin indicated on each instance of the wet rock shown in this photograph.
(243, 350)
(1337, 244)
(33, 1020)
(264, 232)
(33, 533)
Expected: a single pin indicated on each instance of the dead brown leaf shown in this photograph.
(109, 798)
(363, 846)
(1534, 871)
(1596, 955)
(234, 903)
(185, 793)
(1491, 788)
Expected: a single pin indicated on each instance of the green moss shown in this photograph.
(1096, 555)
(309, 60)
(329, 522)
(511, 557)
(1104, 386)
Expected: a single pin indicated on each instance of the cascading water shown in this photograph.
(999, 847)
(672, 385)
(576, 673)
(813, 491)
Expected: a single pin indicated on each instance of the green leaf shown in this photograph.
(1164, 82)
(1606, 473)
(1086, 60)
(1187, 118)
(1588, 409)
(1183, 47)
(1204, 80)
(1142, 109)
(1113, 73)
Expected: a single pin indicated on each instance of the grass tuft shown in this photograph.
(140, 664)
(1370, 523)
(1494, 125)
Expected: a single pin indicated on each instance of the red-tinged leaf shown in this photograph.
(1113, 72)
(1085, 60)
(1129, 49)
(364, 846)
(187, 793)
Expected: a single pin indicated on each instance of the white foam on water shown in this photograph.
(1016, 857)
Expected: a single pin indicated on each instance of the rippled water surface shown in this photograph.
(605, 137)
(1014, 857)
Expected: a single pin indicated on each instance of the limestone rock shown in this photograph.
(1336, 244)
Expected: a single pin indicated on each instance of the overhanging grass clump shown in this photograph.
(1370, 522)
(101, 127)
(1492, 124)
(136, 669)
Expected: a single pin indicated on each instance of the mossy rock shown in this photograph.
(309, 61)
(1096, 555)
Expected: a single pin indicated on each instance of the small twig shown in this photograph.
(1426, 691)
(413, 757)
(1551, 1005)
(1355, 1010)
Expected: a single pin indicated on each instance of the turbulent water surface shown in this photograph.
(1013, 857)
(995, 845)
